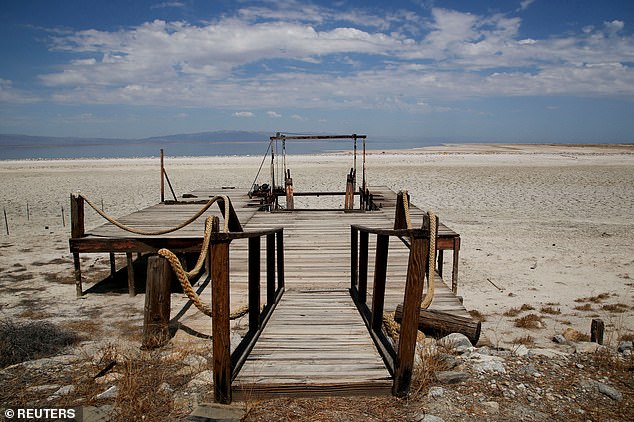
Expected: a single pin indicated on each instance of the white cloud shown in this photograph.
(167, 4)
(297, 117)
(524, 4)
(310, 57)
(243, 114)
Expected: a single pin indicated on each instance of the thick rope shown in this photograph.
(173, 229)
(393, 328)
(408, 219)
(433, 232)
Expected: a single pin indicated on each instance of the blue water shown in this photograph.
(76, 148)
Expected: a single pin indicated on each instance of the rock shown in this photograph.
(195, 361)
(625, 345)
(436, 392)
(521, 350)
(451, 377)
(218, 412)
(487, 363)
(165, 387)
(491, 407)
(110, 393)
(456, 341)
(559, 339)
(571, 334)
(109, 378)
(428, 418)
(43, 387)
(450, 361)
(586, 347)
(203, 379)
(63, 391)
(548, 353)
(97, 414)
(528, 369)
(610, 391)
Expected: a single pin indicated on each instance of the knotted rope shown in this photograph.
(433, 232)
(170, 230)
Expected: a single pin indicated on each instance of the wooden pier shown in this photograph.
(315, 328)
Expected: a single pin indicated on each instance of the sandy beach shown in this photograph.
(543, 226)
(546, 230)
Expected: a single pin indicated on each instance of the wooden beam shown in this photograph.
(419, 251)
(380, 273)
(270, 268)
(131, 290)
(156, 313)
(354, 257)
(363, 267)
(439, 324)
(254, 283)
(220, 322)
(77, 230)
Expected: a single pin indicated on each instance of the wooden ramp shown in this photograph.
(314, 344)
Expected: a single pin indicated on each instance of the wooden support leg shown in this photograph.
(113, 266)
(220, 322)
(596, 331)
(78, 285)
(454, 271)
(354, 257)
(270, 269)
(156, 314)
(131, 290)
(363, 267)
(254, 284)
(440, 263)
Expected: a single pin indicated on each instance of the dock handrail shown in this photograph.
(226, 364)
(399, 359)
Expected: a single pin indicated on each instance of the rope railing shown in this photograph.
(205, 207)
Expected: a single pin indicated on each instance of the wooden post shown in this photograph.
(290, 202)
(596, 331)
(131, 289)
(6, 222)
(454, 270)
(156, 314)
(77, 230)
(354, 257)
(220, 322)
(113, 266)
(380, 272)
(419, 250)
(363, 267)
(280, 259)
(400, 219)
(234, 222)
(162, 177)
(270, 268)
(254, 283)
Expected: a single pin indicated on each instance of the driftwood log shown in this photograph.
(438, 324)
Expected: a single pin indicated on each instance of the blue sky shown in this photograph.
(489, 71)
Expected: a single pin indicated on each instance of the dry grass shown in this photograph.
(594, 299)
(31, 340)
(513, 312)
(477, 315)
(525, 340)
(425, 372)
(530, 321)
(550, 310)
(627, 337)
(616, 308)
(584, 307)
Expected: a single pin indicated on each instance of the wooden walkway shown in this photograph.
(315, 342)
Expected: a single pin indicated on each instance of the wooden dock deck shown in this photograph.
(315, 341)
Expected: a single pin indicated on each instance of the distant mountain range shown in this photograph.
(8, 140)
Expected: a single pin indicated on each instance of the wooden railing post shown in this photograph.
(380, 273)
(280, 259)
(419, 250)
(77, 230)
(270, 268)
(162, 177)
(400, 219)
(220, 322)
(290, 202)
(363, 267)
(354, 257)
(254, 283)
(156, 314)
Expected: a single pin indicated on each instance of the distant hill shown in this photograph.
(216, 136)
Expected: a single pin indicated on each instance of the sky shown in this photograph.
(449, 71)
